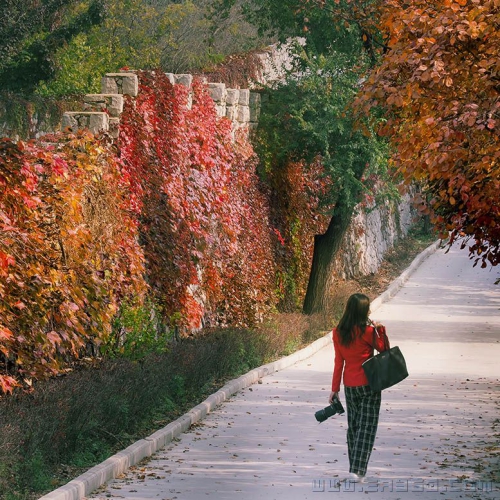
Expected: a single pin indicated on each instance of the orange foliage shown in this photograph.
(439, 82)
(68, 252)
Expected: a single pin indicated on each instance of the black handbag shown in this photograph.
(385, 369)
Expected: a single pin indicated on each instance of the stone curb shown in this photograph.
(100, 474)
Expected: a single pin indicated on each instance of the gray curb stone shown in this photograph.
(95, 477)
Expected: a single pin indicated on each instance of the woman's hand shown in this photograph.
(333, 395)
(379, 326)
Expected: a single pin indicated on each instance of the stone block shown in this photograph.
(244, 99)
(185, 79)
(254, 114)
(120, 83)
(112, 103)
(243, 114)
(217, 92)
(94, 121)
(232, 112)
(254, 106)
(68, 120)
(254, 99)
(220, 110)
(232, 96)
(171, 78)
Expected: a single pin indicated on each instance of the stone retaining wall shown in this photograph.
(101, 112)
(371, 233)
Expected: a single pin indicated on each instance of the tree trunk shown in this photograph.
(326, 247)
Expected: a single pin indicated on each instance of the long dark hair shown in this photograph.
(354, 319)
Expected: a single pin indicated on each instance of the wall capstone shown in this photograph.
(232, 97)
(120, 83)
(244, 98)
(186, 80)
(238, 105)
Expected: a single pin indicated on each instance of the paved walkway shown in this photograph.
(439, 433)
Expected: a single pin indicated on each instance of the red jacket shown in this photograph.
(348, 359)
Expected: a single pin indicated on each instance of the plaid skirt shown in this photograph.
(363, 407)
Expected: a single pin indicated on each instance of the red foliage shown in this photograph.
(296, 193)
(68, 252)
(182, 202)
(203, 220)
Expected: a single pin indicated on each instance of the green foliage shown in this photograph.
(21, 20)
(36, 471)
(32, 37)
(89, 453)
(308, 117)
(137, 331)
(63, 47)
(80, 66)
(174, 36)
(327, 26)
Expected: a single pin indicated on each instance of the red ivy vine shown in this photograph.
(68, 253)
(203, 218)
(179, 212)
(298, 215)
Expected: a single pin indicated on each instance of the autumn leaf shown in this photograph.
(446, 136)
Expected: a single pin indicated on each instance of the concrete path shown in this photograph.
(439, 432)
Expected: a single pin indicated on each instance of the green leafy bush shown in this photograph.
(137, 331)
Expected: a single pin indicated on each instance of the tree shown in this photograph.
(306, 120)
(439, 84)
(30, 34)
(20, 21)
(179, 37)
(328, 26)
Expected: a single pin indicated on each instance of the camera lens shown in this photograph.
(320, 416)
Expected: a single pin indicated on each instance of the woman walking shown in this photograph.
(353, 340)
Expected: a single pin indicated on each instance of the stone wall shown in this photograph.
(275, 61)
(371, 234)
(102, 112)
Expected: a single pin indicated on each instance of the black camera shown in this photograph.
(330, 410)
